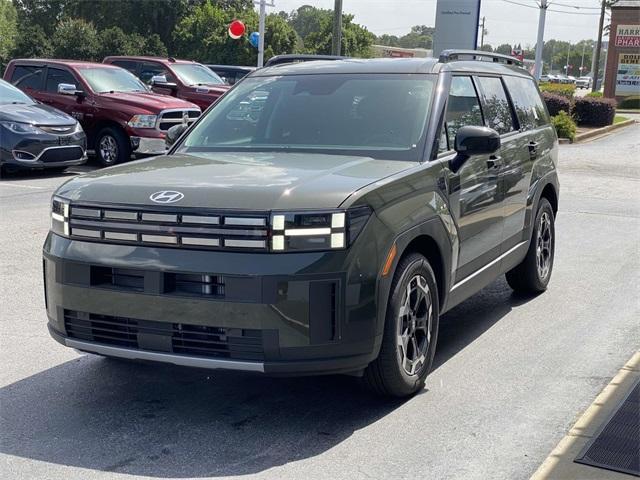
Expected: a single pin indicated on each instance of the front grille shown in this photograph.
(193, 340)
(62, 154)
(211, 230)
(58, 129)
(169, 118)
(191, 284)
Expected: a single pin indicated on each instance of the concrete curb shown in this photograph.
(600, 131)
(559, 465)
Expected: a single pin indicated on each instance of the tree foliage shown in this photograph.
(8, 29)
(76, 39)
(315, 28)
(420, 36)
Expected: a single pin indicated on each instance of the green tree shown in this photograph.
(487, 48)
(315, 28)
(153, 45)
(202, 35)
(113, 41)
(32, 42)
(76, 39)
(504, 49)
(45, 14)
(8, 30)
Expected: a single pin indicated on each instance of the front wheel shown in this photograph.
(534, 273)
(112, 146)
(410, 332)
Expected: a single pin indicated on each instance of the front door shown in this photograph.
(474, 190)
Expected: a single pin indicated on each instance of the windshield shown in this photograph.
(10, 94)
(380, 116)
(109, 79)
(195, 74)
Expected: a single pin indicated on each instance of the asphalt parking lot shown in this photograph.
(511, 374)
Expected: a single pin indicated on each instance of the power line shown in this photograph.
(551, 9)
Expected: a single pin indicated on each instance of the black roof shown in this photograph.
(388, 65)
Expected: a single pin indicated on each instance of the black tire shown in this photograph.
(388, 375)
(112, 146)
(529, 277)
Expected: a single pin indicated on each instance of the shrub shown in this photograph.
(556, 103)
(630, 102)
(564, 89)
(594, 112)
(564, 125)
(594, 95)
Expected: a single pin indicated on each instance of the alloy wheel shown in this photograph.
(415, 320)
(544, 246)
(108, 149)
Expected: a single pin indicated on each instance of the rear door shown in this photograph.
(474, 193)
(536, 147)
(512, 164)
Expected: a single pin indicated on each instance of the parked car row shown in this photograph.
(117, 108)
(582, 82)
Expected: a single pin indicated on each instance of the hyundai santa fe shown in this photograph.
(319, 219)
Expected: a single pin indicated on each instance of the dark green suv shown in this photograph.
(318, 219)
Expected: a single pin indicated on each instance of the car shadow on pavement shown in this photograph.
(167, 421)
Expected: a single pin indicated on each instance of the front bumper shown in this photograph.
(293, 314)
(148, 146)
(42, 150)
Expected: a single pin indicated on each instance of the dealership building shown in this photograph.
(622, 74)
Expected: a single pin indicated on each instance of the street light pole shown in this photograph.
(540, 42)
(584, 47)
(482, 34)
(566, 65)
(263, 13)
(336, 40)
(596, 65)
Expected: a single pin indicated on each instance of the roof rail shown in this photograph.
(453, 55)
(295, 58)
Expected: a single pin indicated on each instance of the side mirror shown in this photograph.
(67, 89)
(476, 141)
(161, 81)
(174, 133)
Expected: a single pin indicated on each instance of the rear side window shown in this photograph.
(56, 76)
(527, 102)
(463, 108)
(28, 77)
(127, 65)
(150, 70)
(497, 109)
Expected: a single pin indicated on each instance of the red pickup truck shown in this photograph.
(119, 114)
(184, 79)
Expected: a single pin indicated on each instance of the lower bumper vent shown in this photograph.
(193, 340)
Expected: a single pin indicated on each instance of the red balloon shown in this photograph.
(236, 29)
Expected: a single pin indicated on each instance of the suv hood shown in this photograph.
(151, 102)
(35, 114)
(255, 181)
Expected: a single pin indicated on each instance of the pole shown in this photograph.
(540, 42)
(596, 67)
(482, 34)
(553, 49)
(336, 40)
(263, 8)
(566, 65)
(584, 47)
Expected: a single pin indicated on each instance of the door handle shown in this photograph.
(494, 161)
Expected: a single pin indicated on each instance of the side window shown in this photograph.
(127, 65)
(56, 76)
(28, 77)
(497, 109)
(527, 102)
(463, 108)
(150, 70)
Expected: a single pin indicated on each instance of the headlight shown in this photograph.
(17, 127)
(332, 230)
(78, 128)
(143, 121)
(60, 216)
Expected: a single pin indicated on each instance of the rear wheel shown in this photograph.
(411, 331)
(112, 146)
(534, 273)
